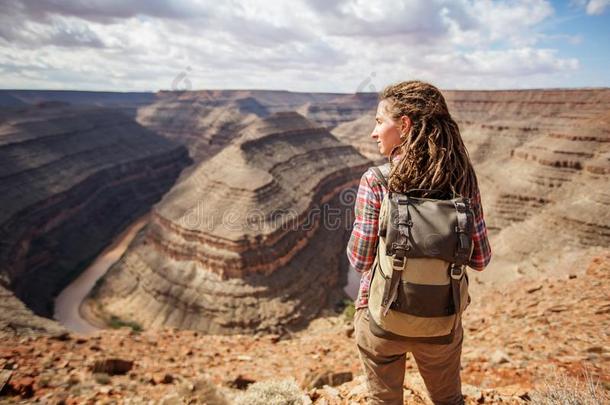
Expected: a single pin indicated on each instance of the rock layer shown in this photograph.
(206, 121)
(252, 240)
(70, 179)
(542, 160)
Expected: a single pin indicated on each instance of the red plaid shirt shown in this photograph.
(362, 245)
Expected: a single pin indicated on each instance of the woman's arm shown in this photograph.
(362, 244)
(481, 254)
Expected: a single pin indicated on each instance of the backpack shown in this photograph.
(419, 285)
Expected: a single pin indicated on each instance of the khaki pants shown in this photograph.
(384, 365)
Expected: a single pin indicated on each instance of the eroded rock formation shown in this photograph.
(542, 161)
(253, 239)
(207, 120)
(70, 179)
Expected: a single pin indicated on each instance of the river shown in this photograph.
(68, 302)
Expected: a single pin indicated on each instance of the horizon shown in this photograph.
(299, 92)
(307, 46)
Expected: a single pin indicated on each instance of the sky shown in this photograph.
(343, 46)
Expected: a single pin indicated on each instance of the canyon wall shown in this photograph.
(70, 179)
(542, 158)
(207, 120)
(252, 240)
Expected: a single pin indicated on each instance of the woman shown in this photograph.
(415, 131)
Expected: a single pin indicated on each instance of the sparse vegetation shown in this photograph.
(274, 392)
(349, 309)
(560, 389)
(102, 378)
(116, 322)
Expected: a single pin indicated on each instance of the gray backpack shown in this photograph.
(419, 286)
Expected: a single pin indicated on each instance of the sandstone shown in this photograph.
(64, 170)
(547, 217)
(240, 257)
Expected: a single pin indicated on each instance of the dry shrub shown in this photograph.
(561, 389)
(273, 392)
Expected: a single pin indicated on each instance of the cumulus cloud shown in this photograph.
(302, 45)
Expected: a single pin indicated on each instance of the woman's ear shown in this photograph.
(405, 125)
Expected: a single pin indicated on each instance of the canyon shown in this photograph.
(234, 247)
(70, 179)
(232, 180)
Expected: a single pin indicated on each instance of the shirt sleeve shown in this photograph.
(481, 254)
(362, 244)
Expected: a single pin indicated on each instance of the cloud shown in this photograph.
(597, 7)
(516, 62)
(592, 7)
(304, 45)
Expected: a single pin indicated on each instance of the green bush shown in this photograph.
(349, 309)
(116, 322)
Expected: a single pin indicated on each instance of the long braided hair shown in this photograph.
(433, 153)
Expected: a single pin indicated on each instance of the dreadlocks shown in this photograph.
(434, 155)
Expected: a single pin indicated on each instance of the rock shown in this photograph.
(558, 308)
(332, 392)
(241, 382)
(534, 288)
(5, 376)
(473, 393)
(102, 378)
(22, 386)
(274, 338)
(112, 366)
(171, 399)
(205, 391)
(499, 357)
(62, 336)
(163, 378)
(349, 330)
(319, 379)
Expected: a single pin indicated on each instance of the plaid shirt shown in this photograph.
(362, 245)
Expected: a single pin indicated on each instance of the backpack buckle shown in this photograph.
(456, 271)
(398, 264)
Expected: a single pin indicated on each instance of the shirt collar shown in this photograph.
(397, 158)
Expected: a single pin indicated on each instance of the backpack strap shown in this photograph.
(456, 272)
(463, 229)
(377, 171)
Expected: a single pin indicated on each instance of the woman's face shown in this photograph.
(386, 132)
